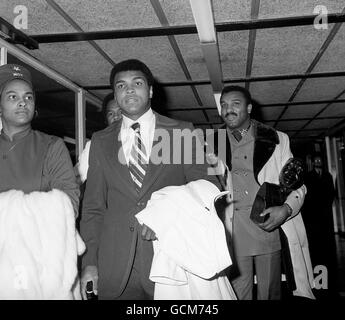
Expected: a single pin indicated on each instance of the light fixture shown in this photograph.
(203, 17)
(217, 96)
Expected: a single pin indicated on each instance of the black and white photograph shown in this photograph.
(171, 155)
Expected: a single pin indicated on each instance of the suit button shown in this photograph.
(131, 229)
(141, 204)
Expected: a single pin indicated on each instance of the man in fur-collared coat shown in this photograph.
(256, 153)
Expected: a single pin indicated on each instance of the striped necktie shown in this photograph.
(138, 160)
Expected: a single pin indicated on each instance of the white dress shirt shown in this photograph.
(147, 128)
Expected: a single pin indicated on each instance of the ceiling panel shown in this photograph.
(333, 58)
(174, 94)
(268, 92)
(233, 48)
(270, 113)
(302, 111)
(78, 61)
(277, 51)
(322, 124)
(286, 50)
(290, 125)
(239, 10)
(335, 109)
(194, 116)
(192, 55)
(280, 8)
(206, 94)
(214, 116)
(321, 89)
(42, 18)
(94, 15)
(178, 12)
(156, 52)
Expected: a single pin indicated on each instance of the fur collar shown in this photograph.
(266, 139)
(265, 133)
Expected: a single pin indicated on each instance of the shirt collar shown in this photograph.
(144, 119)
(16, 136)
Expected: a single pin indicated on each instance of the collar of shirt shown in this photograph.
(247, 137)
(147, 127)
(16, 136)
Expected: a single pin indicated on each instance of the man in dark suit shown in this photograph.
(123, 173)
(318, 219)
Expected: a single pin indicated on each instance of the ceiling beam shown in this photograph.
(337, 127)
(185, 29)
(279, 77)
(15, 36)
(322, 110)
(315, 61)
(301, 103)
(64, 14)
(164, 21)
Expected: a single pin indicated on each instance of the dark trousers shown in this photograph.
(135, 288)
(268, 274)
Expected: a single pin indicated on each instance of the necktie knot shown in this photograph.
(237, 134)
(136, 126)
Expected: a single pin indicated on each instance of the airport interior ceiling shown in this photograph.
(290, 54)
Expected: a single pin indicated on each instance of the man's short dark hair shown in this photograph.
(131, 65)
(106, 100)
(244, 91)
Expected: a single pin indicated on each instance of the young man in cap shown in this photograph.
(30, 160)
(121, 178)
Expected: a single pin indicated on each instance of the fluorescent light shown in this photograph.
(216, 96)
(203, 17)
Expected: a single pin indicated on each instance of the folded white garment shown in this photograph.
(191, 252)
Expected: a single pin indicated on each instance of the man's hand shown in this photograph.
(277, 216)
(147, 233)
(90, 273)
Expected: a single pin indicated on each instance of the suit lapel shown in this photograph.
(115, 155)
(266, 139)
(228, 150)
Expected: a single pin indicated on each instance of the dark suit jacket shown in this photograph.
(108, 223)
